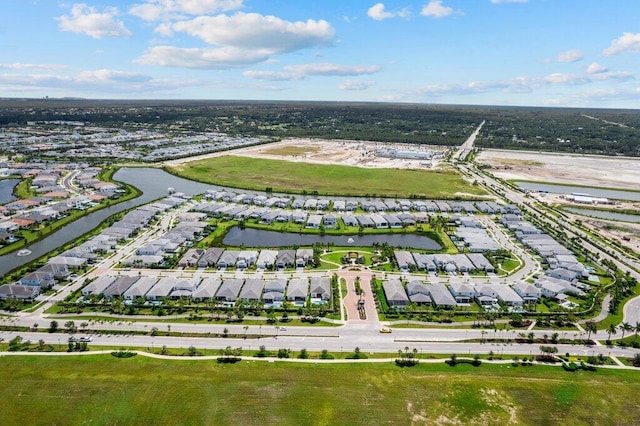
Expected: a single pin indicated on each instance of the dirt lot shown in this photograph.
(590, 170)
(323, 151)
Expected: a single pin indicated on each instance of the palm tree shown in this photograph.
(612, 330)
(591, 327)
(625, 327)
(636, 329)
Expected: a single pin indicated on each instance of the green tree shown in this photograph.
(611, 330)
(53, 326)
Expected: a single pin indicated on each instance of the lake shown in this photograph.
(260, 238)
(622, 217)
(6, 190)
(569, 189)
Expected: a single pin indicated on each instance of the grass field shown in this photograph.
(107, 390)
(292, 177)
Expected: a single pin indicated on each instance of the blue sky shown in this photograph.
(490, 52)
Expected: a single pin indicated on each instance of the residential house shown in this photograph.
(207, 289)
(229, 290)
(298, 290)
(462, 293)
(252, 290)
(140, 288)
(20, 292)
(267, 259)
(418, 293)
(285, 259)
(320, 289)
(210, 257)
(395, 294)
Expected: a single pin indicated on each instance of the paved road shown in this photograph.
(467, 146)
(367, 343)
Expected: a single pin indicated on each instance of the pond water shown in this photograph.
(153, 183)
(260, 238)
(569, 189)
(622, 217)
(6, 190)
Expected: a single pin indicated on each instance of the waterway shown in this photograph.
(6, 190)
(621, 217)
(569, 189)
(250, 237)
(153, 183)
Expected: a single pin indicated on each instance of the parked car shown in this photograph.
(385, 330)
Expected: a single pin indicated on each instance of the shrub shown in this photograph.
(123, 354)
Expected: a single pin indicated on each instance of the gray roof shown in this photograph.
(395, 293)
(298, 288)
(229, 290)
(207, 289)
(252, 289)
(140, 287)
(119, 286)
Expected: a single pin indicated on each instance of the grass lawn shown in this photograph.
(292, 177)
(107, 390)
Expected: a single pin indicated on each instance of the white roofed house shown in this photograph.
(320, 289)
(20, 292)
(563, 274)
(486, 295)
(463, 293)
(314, 221)
(266, 259)
(299, 217)
(529, 293)
(246, 259)
(395, 294)
(481, 262)
(508, 296)
(298, 290)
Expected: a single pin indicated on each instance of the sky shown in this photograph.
(482, 52)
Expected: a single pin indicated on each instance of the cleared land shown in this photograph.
(107, 390)
(284, 176)
(589, 170)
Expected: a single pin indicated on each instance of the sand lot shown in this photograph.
(590, 170)
(325, 151)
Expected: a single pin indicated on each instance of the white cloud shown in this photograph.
(205, 58)
(564, 78)
(21, 66)
(299, 72)
(270, 75)
(436, 9)
(328, 69)
(628, 42)
(255, 31)
(596, 68)
(355, 85)
(508, 1)
(153, 10)
(567, 56)
(104, 80)
(377, 12)
(87, 20)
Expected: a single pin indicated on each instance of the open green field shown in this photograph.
(292, 177)
(106, 390)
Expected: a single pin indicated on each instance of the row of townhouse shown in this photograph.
(61, 266)
(352, 204)
(451, 263)
(564, 272)
(263, 259)
(458, 294)
(269, 292)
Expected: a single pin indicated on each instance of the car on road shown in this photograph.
(72, 339)
(86, 339)
(283, 328)
(385, 330)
